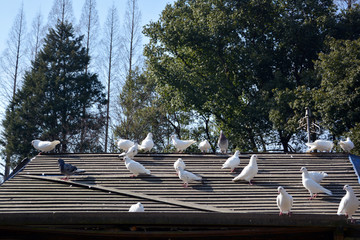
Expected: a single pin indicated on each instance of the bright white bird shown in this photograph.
(204, 146)
(138, 207)
(317, 176)
(135, 168)
(44, 146)
(320, 145)
(346, 145)
(313, 187)
(125, 144)
(179, 163)
(232, 162)
(284, 201)
(181, 145)
(349, 203)
(147, 144)
(249, 172)
(223, 142)
(131, 152)
(187, 177)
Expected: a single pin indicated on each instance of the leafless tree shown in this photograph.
(111, 43)
(132, 37)
(89, 27)
(347, 4)
(61, 11)
(13, 58)
(36, 36)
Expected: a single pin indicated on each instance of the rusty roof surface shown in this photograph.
(107, 186)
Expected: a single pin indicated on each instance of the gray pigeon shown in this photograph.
(67, 169)
(223, 143)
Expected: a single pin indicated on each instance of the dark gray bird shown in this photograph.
(223, 142)
(67, 169)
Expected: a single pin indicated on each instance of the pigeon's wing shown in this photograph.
(314, 187)
(69, 169)
(317, 176)
(137, 168)
(190, 177)
(244, 173)
(343, 205)
(278, 201)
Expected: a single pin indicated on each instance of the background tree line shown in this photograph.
(247, 67)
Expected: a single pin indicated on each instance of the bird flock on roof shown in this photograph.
(310, 179)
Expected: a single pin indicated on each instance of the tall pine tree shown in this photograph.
(55, 90)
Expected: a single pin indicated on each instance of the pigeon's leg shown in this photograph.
(250, 182)
(185, 185)
(280, 213)
(289, 213)
(232, 170)
(132, 176)
(353, 220)
(315, 195)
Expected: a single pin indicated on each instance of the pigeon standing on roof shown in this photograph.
(179, 163)
(317, 176)
(349, 203)
(232, 162)
(147, 144)
(249, 172)
(181, 145)
(223, 142)
(125, 144)
(67, 169)
(187, 177)
(284, 201)
(204, 146)
(138, 207)
(131, 152)
(313, 187)
(320, 145)
(44, 146)
(135, 168)
(346, 145)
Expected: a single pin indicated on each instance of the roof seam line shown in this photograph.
(135, 194)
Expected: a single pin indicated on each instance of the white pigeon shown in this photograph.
(349, 203)
(317, 176)
(223, 142)
(346, 145)
(204, 146)
(249, 172)
(125, 144)
(187, 177)
(179, 163)
(147, 144)
(138, 207)
(284, 201)
(135, 168)
(181, 145)
(320, 145)
(44, 146)
(313, 187)
(131, 152)
(232, 162)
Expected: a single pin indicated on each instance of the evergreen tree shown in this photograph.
(54, 92)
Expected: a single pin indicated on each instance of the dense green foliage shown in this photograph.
(233, 59)
(51, 103)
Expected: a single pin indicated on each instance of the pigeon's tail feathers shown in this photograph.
(238, 178)
(328, 192)
(80, 171)
(147, 171)
(140, 147)
(56, 142)
(122, 154)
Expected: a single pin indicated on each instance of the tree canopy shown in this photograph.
(55, 90)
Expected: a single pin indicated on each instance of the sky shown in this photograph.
(150, 11)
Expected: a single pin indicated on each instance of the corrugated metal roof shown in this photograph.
(107, 187)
